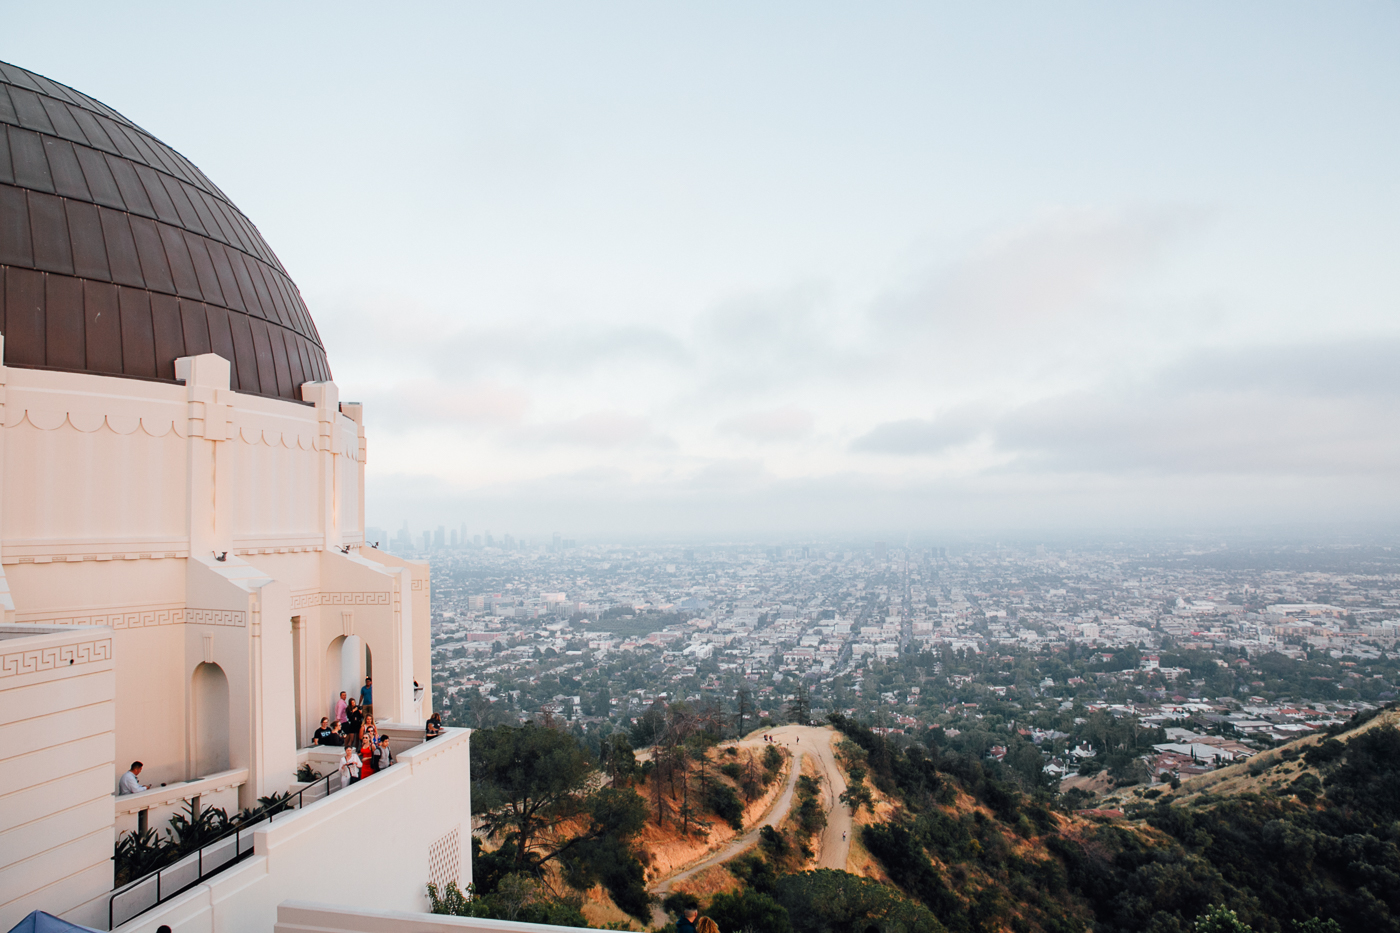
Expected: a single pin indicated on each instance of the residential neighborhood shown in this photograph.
(1210, 655)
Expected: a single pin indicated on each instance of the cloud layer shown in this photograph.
(1026, 381)
(760, 269)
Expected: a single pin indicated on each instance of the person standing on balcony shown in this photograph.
(340, 708)
(385, 756)
(368, 764)
(354, 722)
(323, 734)
(367, 696)
(370, 744)
(349, 767)
(129, 784)
(434, 727)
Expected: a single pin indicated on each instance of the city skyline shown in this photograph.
(816, 270)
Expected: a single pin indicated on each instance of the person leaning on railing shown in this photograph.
(434, 727)
(129, 784)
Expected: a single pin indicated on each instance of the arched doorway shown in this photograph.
(348, 662)
(209, 690)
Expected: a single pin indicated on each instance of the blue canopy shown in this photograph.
(40, 922)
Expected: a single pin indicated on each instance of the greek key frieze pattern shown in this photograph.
(148, 618)
(304, 600)
(38, 660)
(216, 617)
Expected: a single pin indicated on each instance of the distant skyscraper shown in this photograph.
(490, 541)
(440, 538)
(557, 541)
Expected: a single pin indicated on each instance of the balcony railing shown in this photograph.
(134, 899)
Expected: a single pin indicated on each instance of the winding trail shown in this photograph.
(835, 839)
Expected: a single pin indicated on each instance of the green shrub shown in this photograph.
(724, 803)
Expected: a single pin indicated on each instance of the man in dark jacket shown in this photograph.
(686, 924)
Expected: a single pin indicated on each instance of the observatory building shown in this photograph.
(183, 572)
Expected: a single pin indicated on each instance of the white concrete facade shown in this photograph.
(304, 916)
(57, 725)
(371, 847)
(213, 541)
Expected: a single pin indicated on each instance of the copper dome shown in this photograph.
(117, 254)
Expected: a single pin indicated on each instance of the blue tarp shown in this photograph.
(40, 922)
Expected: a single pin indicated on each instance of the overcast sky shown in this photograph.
(729, 269)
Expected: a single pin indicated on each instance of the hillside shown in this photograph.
(1307, 830)
(943, 841)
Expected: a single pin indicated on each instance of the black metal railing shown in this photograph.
(225, 850)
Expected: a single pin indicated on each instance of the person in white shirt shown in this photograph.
(129, 784)
(349, 767)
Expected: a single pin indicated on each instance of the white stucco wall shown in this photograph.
(198, 526)
(376, 844)
(57, 718)
(305, 916)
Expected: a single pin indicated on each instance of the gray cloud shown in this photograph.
(1053, 267)
(916, 436)
(550, 346)
(1324, 409)
(599, 429)
(779, 424)
(1326, 369)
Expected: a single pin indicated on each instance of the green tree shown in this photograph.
(745, 704)
(619, 760)
(829, 901)
(799, 711)
(526, 782)
(1221, 919)
(748, 910)
(518, 898)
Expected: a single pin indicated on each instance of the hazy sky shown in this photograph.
(784, 269)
